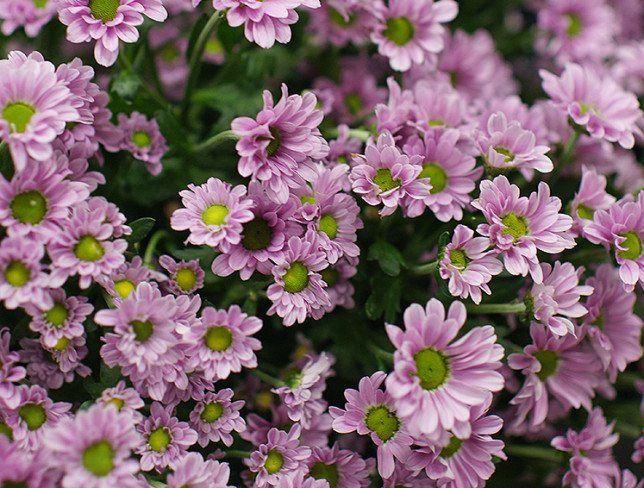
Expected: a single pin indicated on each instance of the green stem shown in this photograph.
(382, 354)
(267, 378)
(152, 244)
(496, 308)
(628, 430)
(214, 141)
(361, 134)
(235, 453)
(426, 268)
(127, 63)
(566, 155)
(534, 452)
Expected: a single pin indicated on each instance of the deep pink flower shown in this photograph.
(193, 471)
(216, 416)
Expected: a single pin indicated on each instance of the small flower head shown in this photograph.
(215, 416)
(186, 277)
(143, 139)
(193, 471)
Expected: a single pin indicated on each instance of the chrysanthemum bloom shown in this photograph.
(340, 149)
(20, 468)
(506, 145)
(186, 277)
(215, 416)
(143, 139)
(222, 344)
(214, 213)
(592, 463)
(323, 186)
(596, 103)
(386, 175)
(166, 439)
(462, 462)
(170, 47)
(93, 449)
(84, 247)
(33, 416)
(339, 287)
(278, 146)
(298, 291)
(408, 32)
(614, 330)
(34, 107)
(468, 264)
(10, 372)
(340, 23)
(556, 299)
(451, 173)
(370, 411)
(32, 16)
(438, 106)
(403, 477)
(555, 368)
(435, 382)
(113, 215)
(519, 226)
(339, 467)
(621, 228)
(107, 22)
(337, 226)
(626, 479)
(591, 196)
(64, 319)
(192, 471)
(395, 115)
(281, 456)
(126, 400)
(125, 278)
(44, 366)
(300, 480)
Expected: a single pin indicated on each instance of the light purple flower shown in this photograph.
(52, 367)
(339, 23)
(125, 278)
(32, 16)
(591, 196)
(126, 400)
(10, 372)
(215, 416)
(193, 471)
(337, 226)
(186, 277)
(339, 467)
(339, 287)
(143, 139)
(20, 468)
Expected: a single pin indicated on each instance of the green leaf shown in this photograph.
(125, 85)
(109, 376)
(202, 253)
(174, 133)
(388, 257)
(194, 35)
(140, 229)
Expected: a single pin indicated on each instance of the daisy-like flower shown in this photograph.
(222, 344)
(194, 472)
(598, 104)
(166, 439)
(143, 139)
(20, 468)
(591, 196)
(519, 226)
(371, 411)
(10, 372)
(591, 462)
(34, 107)
(621, 227)
(386, 175)
(409, 32)
(437, 379)
(339, 467)
(339, 220)
(451, 173)
(339, 287)
(32, 16)
(214, 213)
(93, 449)
(438, 106)
(299, 290)
(215, 416)
(468, 265)
(107, 22)
(125, 278)
(279, 457)
(339, 23)
(126, 400)
(556, 299)
(186, 277)
(52, 367)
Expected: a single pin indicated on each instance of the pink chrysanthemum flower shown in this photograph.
(337, 226)
(598, 104)
(52, 367)
(222, 344)
(613, 329)
(278, 146)
(339, 467)
(93, 449)
(592, 464)
(279, 457)
(340, 23)
(113, 215)
(143, 139)
(621, 228)
(370, 411)
(339, 287)
(34, 107)
(626, 479)
(299, 290)
(556, 299)
(214, 213)
(166, 439)
(186, 277)
(107, 22)
(386, 175)
(341, 149)
(126, 400)
(409, 32)
(125, 278)
(68, 354)
(591, 196)
(437, 379)
(193, 471)
(215, 416)
(20, 468)
(10, 372)
(438, 106)
(468, 264)
(519, 226)
(32, 16)
(451, 173)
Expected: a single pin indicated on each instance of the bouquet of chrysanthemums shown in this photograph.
(321, 243)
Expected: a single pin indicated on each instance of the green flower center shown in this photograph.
(29, 207)
(159, 439)
(296, 278)
(308, 199)
(632, 245)
(599, 322)
(338, 19)
(400, 30)
(330, 276)
(213, 46)
(275, 141)
(143, 330)
(588, 107)
(574, 25)
(40, 3)
(458, 258)
(169, 53)
(186, 279)
(354, 103)
(18, 115)
(432, 368)
(218, 338)
(117, 402)
(104, 10)
(124, 288)
(62, 344)
(437, 177)
(89, 249)
(328, 472)
(98, 458)
(274, 461)
(14, 484)
(141, 139)
(293, 378)
(212, 412)
(17, 274)
(382, 421)
(329, 226)
(435, 123)
(384, 180)
(548, 361)
(515, 225)
(504, 151)
(452, 448)
(257, 235)
(33, 415)
(57, 315)
(584, 212)
(215, 215)
(6, 431)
